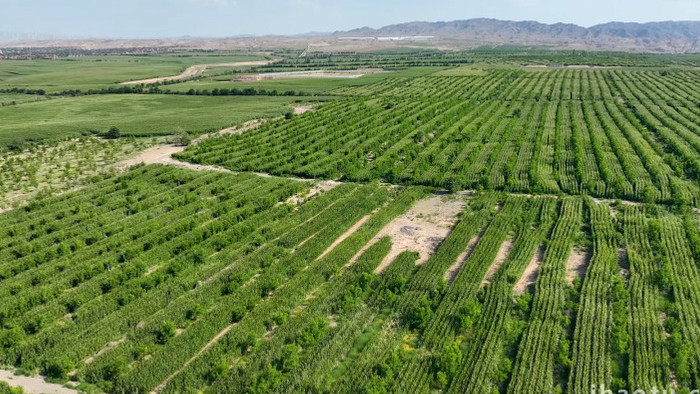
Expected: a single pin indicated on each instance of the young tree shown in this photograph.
(113, 133)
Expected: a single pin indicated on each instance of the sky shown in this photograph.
(227, 18)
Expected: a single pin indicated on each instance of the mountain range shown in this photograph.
(673, 37)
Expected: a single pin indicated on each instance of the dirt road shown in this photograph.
(195, 70)
(32, 384)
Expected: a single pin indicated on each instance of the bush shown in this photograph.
(195, 312)
(60, 368)
(113, 133)
(237, 314)
(165, 332)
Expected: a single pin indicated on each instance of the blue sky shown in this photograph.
(221, 18)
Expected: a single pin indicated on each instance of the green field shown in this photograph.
(88, 72)
(140, 115)
(309, 86)
(461, 224)
(617, 134)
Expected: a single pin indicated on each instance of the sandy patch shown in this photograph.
(163, 155)
(331, 321)
(156, 154)
(300, 109)
(346, 234)
(195, 70)
(501, 256)
(576, 265)
(454, 269)
(529, 276)
(33, 384)
(421, 229)
(311, 74)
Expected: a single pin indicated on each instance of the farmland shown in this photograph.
(134, 115)
(457, 223)
(608, 133)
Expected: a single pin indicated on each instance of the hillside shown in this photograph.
(672, 37)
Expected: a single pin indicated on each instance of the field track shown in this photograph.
(195, 70)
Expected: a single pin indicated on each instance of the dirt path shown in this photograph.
(195, 70)
(451, 273)
(576, 265)
(206, 347)
(501, 257)
(530, 274)
(33, 384)
(162, 154)
(104, 350)
(421, 229)
(316, 188)
(345, 235)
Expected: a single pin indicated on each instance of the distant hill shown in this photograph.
(675, 37)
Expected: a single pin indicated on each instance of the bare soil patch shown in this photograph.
(421, 229)
(576, 265)
(195, 70)
(163, 155)
(33, 384)
(154, 155)
(301, 109)
(451, 273)
(339, 74)
(501, 256)
(529, 276)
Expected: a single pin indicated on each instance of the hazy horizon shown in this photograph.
(145, 19)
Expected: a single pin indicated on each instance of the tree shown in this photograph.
(313, 333)
(59, 368)
(113, 133)
(114, 369)
(446, 363)
(11, 337)
(218, 371)
(419, 314)
(182, 137)
(237, 313)
(165, 332)
(468, 315)
(195, 312)
(268, 381)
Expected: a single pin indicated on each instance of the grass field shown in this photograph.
(141, 115)
(86, 73)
